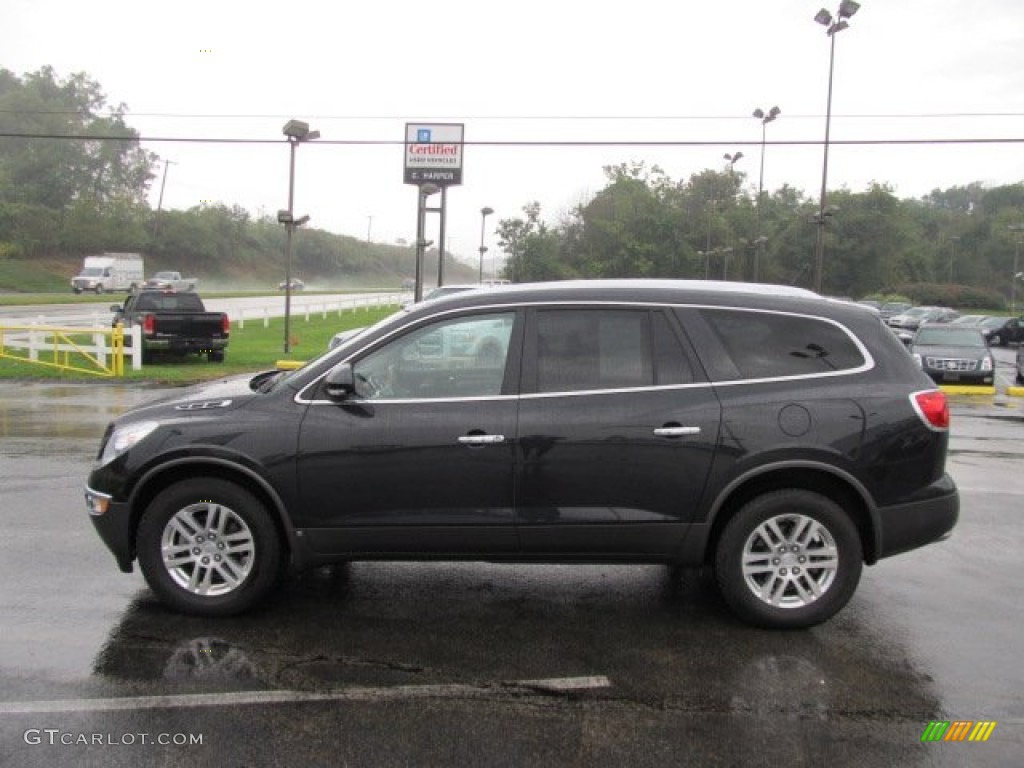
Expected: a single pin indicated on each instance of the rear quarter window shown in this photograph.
(761, 345)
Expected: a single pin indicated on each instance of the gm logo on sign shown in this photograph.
(423, 136)
(958, 730)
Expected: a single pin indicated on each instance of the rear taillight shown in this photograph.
(148, 325)
(933, 408)
(225, 325)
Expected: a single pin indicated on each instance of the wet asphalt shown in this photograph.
(508, 665)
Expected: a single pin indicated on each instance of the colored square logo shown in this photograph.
(423, 135)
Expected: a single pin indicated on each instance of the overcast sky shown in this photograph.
(536, 71)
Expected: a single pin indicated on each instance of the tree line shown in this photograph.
(957, 244)
(66, 198)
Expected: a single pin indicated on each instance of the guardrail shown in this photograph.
(98, 351)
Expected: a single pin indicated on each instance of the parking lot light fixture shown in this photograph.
(296, 132)
(1018, 231)
(484, 213)
(765, 118)
(847, 8)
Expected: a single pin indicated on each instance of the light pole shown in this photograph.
(832, 26)
(160, 202)
(725, 261)
(484, 213)
(952, 255)
(423, 192)
(765, 118)
(731, 160)
(1018, 231)
(296, 132)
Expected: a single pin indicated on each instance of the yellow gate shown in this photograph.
(95, 351)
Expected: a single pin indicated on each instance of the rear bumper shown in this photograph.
(183, 346)
(902, 527)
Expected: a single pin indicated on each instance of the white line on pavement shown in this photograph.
(554, 685)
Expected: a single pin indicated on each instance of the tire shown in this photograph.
(996, 341)
(195, 522)
(99, 289)
(809, 525)
(215, 356)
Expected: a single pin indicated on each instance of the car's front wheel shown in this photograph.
(996, 340)
(789, 559)
(208, 547)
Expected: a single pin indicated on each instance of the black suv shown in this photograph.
(779, 437)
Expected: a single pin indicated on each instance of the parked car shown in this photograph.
(297, 284)
(891, 308)
(344, 336)
(952, 354)
(968, 319)
(915, 317)
(1000, 331)
(438, 292)
(1020, 364)
(780, 438)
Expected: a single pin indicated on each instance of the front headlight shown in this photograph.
(987, 364)
(123, 438)
(917, 359)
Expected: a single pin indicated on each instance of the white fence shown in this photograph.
(306, 307)
(99, 350)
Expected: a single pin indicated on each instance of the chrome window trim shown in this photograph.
(869, 361)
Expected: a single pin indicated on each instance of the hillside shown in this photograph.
(383, 267)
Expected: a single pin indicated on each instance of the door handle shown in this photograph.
(676, 431)
(481, 439)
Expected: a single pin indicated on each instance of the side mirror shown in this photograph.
(340, 382)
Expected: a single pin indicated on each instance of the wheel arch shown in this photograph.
(829, 481)
(163, 476)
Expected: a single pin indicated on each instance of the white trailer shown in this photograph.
(110, 272)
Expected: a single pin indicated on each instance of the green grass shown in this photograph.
(252, 348)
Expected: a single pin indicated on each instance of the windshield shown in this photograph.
(950, 337)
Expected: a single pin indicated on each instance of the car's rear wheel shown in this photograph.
(789, 559)
(208, 547)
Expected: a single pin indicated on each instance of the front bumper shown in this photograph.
(960, 377)
(929, 518)
(112, 521)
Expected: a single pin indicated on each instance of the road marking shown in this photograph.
(183, 701)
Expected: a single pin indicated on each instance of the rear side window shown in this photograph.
(600, 349)
(764, 345)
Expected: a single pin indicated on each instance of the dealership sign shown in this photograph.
(433, 153)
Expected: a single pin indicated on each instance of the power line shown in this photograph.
(533, 143)
(563, 117)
